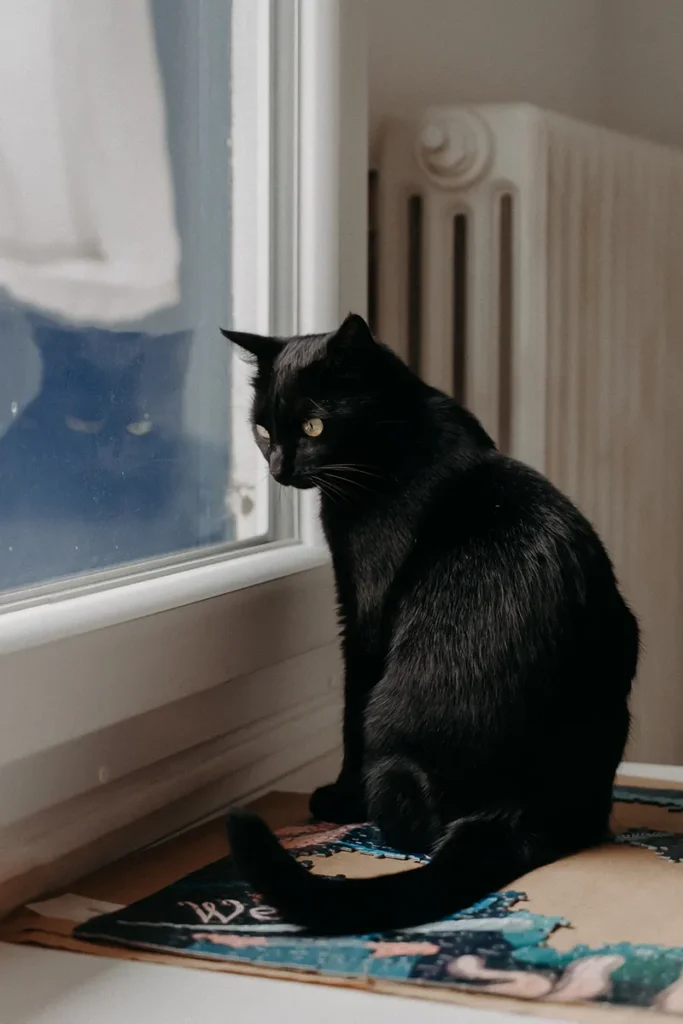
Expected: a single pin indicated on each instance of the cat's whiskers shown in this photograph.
(334, 487)
(326, 488)
(355, 468)
(343, 479)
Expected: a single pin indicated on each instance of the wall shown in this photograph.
(616, 62)
(436, 51)
(642, 68)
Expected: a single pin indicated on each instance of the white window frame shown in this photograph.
(80, 664)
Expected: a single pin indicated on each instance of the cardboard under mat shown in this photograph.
(614, 894)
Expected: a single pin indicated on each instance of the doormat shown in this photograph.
(585, 937)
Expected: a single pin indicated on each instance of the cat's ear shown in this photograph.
(354, 335)
(257, 346)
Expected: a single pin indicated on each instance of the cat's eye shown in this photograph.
(140, 428)
(313, 427)
(83, 426)
(262, 432)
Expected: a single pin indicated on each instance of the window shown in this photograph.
(205, 645)
(125, 438)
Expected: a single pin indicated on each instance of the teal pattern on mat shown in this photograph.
(671, 798)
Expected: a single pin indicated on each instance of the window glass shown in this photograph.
(118, 395)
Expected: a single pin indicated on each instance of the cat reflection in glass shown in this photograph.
(100, 459)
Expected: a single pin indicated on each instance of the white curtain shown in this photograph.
(87, 223)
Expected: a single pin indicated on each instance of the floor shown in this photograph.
(42, 986)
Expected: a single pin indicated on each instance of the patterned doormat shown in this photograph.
(599, 930)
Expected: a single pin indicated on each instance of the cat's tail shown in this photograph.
(479, 855)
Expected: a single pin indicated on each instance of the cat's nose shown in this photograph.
(276, 463)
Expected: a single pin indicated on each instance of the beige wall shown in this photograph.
(642, 68)
(441, 51)
(616, 62)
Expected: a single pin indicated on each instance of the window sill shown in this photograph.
(27, 627)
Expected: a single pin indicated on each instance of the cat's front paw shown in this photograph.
(339, 803)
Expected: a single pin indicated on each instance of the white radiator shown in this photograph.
(533, 266)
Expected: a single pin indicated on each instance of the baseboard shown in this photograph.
(51, 849)
(316, 773)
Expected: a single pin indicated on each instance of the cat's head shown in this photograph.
(327, 406)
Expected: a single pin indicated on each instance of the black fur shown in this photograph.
(488, 653)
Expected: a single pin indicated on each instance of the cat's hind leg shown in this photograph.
(400, 801)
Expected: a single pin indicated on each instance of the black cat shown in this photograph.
(488, 653)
